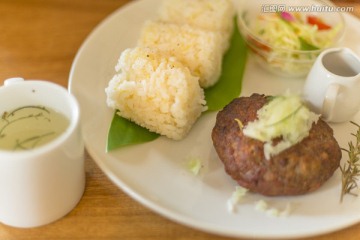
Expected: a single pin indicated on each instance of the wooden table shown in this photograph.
(39, 40)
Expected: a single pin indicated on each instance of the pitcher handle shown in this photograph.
(329, 101)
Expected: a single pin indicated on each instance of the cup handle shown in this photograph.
(329, 102)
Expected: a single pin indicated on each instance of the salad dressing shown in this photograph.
(29, 127)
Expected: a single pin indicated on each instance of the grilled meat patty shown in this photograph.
(300, 169)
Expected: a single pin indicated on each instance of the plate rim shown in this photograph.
(155, 207)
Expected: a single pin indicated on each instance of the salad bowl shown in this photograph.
(287, 37)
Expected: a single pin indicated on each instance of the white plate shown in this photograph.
(155, 173)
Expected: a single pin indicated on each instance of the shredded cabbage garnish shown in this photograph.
(241, 125)
(283, 117)
(260, 205)
(263, 206)
(194, 165)
(236, 197)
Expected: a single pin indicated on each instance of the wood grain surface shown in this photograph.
(39, 40)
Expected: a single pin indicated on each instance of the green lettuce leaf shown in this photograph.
(304, 45)
(123, 132)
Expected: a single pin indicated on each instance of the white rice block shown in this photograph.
(211, 15)
(198, 49)
(156, 91)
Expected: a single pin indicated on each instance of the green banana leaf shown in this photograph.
(229, 84)
(123, 132)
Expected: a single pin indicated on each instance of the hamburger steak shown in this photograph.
(300, 169)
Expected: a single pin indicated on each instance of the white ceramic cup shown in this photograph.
(41, 185)
(332, 87)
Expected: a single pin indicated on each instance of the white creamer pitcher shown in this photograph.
(332, 87)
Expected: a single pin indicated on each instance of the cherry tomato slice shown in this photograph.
(313, 20)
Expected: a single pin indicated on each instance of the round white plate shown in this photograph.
(155, 173)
